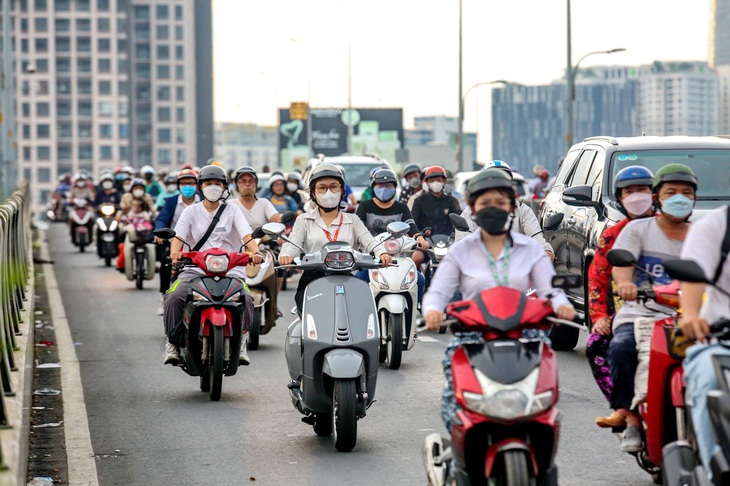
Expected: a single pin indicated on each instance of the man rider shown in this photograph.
(433, 208)
(229, 233)
(107, 194)
(152, 187)
(651, 241)
(411, 182)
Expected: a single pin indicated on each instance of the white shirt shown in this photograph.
(703, 244)
(180, 207)
(259, 214)
(309, 233)
(466, 266)
(525, 222)
(228, 233)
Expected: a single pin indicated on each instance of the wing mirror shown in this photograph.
(686, 271)
(459, 222)
(579, 196)
(275, 230)
(164, 233)
(567, 281)
(553, 222)
(398, 229)
(621, 258)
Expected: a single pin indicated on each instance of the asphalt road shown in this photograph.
(150, 424)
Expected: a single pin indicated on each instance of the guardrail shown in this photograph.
(15, 321)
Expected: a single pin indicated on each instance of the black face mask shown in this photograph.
(493, 220)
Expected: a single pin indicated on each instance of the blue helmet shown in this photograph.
(634, 175)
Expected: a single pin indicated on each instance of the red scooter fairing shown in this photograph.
(216, 318)
(216, 261)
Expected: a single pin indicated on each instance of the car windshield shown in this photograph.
(712, 168)
(358, 174)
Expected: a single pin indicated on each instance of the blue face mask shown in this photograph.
(187, 191)
(385, 194)
(678, 206)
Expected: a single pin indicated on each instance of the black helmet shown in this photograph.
(384, 176)
(491, 178)
(246, 169)
(212, 173)
(326, 170)
(411, 169)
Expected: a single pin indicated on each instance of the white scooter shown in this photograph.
(395, 289)
(261, 281)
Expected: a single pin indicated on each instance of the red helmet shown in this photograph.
(434, 171)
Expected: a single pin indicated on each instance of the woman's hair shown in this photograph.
(509, 193)
(143, 206)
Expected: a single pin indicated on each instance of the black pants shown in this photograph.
(163, 251)
(308, 276)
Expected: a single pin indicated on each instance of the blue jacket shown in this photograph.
(164, 217)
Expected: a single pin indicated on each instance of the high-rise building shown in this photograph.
(426, 142)
(719, 45)
(238, 144)
(8, 133)
(103, 83)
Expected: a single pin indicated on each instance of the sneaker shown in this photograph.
(279, 313)
(243, 358)
(161, 307)
(631, 439)
(172, 354)
(616, 419)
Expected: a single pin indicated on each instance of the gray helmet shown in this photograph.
(491, 178)
(246, 169)
(384, 176)
(212, 173)
(326, 170)
(411, 169)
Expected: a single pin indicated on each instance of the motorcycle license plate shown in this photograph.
(108, 237)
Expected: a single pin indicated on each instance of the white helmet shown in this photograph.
(498, 164)
(147, 169)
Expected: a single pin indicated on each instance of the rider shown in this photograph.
(513, 260)
(453, 191)
(383, 209)
(651, 241)
(169, 190)
(701, 245)
(107, 193)
(294, 189)
(136, 190)
(411, 182)
(229, 233)
(187, 180)
(326, 223)
(278, 197)
(525, 220)
(634, 200)
(367, 194)
(432, 209)
(152, 187)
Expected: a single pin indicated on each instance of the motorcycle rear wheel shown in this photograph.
(216, 363)
(140, 271)
(82, 242)
(255, 331)
(344, 415)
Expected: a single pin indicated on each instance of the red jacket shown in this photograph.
(599, 273)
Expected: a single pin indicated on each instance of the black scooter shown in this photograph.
(107, 233)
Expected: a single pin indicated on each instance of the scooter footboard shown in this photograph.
(343, 363)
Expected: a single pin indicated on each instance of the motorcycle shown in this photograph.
(58, 207)
(80, 220)
(439, 247)
(332, 351)
(663, 412)
(107, 233)
(679, 462)
(506, 389)
(211, 340)
(261, 281)
(395, 289)
(139, 255)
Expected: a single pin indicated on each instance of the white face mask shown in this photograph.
(126, 187)
(107, 184)
(138, 193)
(292, 186)
(329, 199)
(171, 188)
(448, 188)
(436, 187)
(212, 193)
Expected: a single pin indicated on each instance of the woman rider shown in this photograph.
(633, 194)
(491, 257)
(312, 230)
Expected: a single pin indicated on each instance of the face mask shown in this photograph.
(187, 191)
(448, 188)
(493, 220)
(414, 183)
(119, 177)
(171, 188)
(148, 177)
(678, 206)
(329, 200)
(385, 194)
(107, 185)
(637, 203)
(436, 187)
(213, 193)
(126, 187)
(80, 184)
(292, 186)
(138, 192)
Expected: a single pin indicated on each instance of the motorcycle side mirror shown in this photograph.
(566, 281)
(398, 229)
(686, 271)
(553, 222)
(275, 230)
(164, 233)
(459, 222)
(288, 217)
(621, 258)
(258, 233)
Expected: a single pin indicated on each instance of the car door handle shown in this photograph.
(570, 221)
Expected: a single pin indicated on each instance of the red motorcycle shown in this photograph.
(210, 334)
(81, 221)
(507, 429)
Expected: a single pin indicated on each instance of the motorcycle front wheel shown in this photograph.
(255, 331)
(140, 271)
(395, 341)
(216, 363)
(516, 471)
(344, 415)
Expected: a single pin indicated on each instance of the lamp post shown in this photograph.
(462, 104)
(460, 135)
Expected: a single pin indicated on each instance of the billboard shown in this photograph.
(375, 131)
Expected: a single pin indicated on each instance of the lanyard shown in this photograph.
(500, 280)
(337, 233)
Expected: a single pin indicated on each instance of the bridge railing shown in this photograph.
(15, 332)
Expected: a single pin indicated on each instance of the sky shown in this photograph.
(404, 53)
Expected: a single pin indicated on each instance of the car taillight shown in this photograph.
(216, 263)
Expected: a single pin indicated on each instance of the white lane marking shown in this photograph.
(426, 339)
(81, 465)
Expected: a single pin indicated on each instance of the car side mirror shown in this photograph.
(164, 233)
(621, 258)
(686, 271)
(579, 196)
(553, 222)
(566, 281)
(459, 222)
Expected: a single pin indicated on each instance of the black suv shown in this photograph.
(583, 192)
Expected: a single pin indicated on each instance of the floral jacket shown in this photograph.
(599, 273)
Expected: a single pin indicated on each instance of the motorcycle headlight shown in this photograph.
(408, 280)
(379, 279)
(197, 296)
(234, 298)
(340, 260)
(108, 210)
(393, 247)
(508, 401)
(216, 263)
(441, 251)
(100, 223)
(311, 327)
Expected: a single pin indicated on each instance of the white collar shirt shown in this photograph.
(179, 207)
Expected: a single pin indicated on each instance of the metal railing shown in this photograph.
(15, 267)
